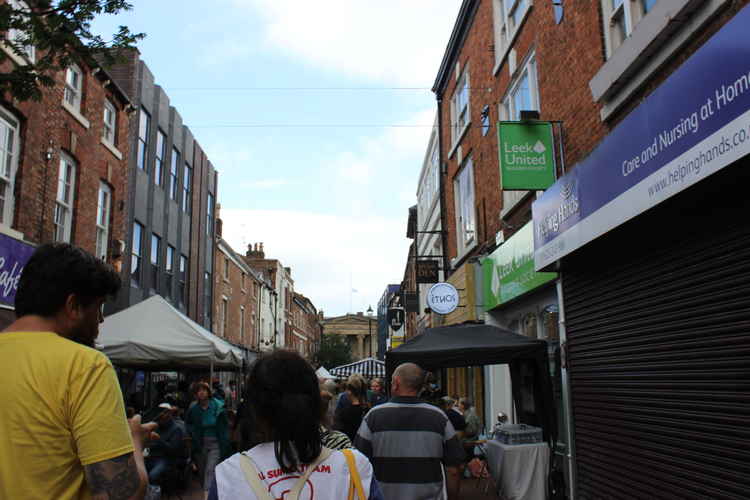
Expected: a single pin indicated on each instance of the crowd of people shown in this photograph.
(284, 433)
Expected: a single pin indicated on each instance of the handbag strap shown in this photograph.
(354, 473)
(261, 490)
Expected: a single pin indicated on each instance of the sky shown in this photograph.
(317, 117)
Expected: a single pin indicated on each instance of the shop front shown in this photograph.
(13, 257)
(518, 298)
(651, 237)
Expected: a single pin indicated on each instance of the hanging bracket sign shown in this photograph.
(442, 298)
(395, 318)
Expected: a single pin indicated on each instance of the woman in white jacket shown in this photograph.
(290, 462)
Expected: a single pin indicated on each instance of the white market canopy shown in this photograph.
(153, 334)
(323, 373)
(368, 368)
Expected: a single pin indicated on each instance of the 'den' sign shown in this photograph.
(442, 298)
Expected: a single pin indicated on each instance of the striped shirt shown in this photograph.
(408, 442)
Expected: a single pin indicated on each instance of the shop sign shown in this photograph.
(428, 271)
(13, 257)
(395, 318)
(695, 124)
(509, 271)
(442, 298)
(527, 159)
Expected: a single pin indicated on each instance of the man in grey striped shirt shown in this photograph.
(409, 442)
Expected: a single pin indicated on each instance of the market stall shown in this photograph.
(368, 368)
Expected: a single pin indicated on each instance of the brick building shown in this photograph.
(170, 210)
(237, 298)
(64, 167)
(616, 78)
(306, 327)
(280, 301)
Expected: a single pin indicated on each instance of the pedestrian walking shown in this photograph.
(62, 418)
(169, 449)
(208, 426)
(290, 462)
(335, 440)
(377, 394)
(412, 445)
(349, 417)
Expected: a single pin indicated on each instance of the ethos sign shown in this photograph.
(442, 298)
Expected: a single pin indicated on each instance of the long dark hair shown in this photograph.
(283, 399)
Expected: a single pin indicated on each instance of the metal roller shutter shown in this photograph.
(659, 364)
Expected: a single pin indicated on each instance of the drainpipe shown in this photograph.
(443, 224)
(567, 407)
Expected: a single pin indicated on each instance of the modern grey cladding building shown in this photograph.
(171, 205)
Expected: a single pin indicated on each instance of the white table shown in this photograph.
(520, 471)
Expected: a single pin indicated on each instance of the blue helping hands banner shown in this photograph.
(13, 257)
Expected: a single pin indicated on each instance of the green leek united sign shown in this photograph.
(527, 159)
(509, 271)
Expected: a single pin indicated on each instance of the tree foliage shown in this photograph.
(334, 351)
(60, 32)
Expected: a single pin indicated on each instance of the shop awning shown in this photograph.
(368, 368)
(154, 335)
(476, 344)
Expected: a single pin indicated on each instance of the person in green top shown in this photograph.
(208, 426)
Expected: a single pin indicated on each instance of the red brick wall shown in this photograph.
(232, 289)
(46, 125)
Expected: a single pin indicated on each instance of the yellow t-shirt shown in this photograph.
(60, 409)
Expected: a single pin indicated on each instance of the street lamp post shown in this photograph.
(369, 327)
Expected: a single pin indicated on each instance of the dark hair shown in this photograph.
(282, 392)
(202, 385)
(57, 270)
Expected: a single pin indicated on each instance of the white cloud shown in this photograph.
(326, 252)
(398, 42)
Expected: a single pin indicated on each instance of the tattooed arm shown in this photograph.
(118, 478)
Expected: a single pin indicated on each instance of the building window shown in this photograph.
(226, 268)
(173, 174)
(508, 16)
(161, 152)
(19, 39)
(460, 111)
(207, 300)
(65, 197)
(137, 255)
(242, 324)
(155, 257)
(144, 127)
(9, 142)
(186, 184)
(104, 202)
(464, 193)
(183, 280)
(110, 120)
(620, 18)
(210, 215)
(485, 120)
(169, 270)
(242, 281)
(74, 86)
(224, 316)
(523, 94)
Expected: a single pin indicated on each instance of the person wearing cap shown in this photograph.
(169, 449)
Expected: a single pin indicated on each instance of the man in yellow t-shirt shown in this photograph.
(64, 434)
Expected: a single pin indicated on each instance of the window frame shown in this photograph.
(14, 36)
(66, 177)
(173, 174)
(9, 158)
(169, 270)
(76, 92)
(109, 129)
(503, 34)
(183, 270)
(224, 315)
(136, 255)
(507, 105)
(103, 214)
(632, 12)
(464, 207)
(460, 118)
(187, 177)
(160, 153)
(143, 138)
(155, 260)
(242, 324)
(209, 214)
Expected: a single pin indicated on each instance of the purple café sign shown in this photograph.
(13, 256)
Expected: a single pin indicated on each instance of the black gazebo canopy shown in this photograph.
(475, 344)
